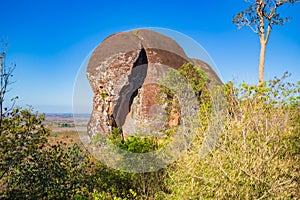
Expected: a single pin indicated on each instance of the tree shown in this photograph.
(261, 16)
(6, 72)
(22, 134)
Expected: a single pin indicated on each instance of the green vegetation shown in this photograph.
(103, 95)
(256, 157)
(64, 125)
(196, 78)
(258, 154)
(134, 144)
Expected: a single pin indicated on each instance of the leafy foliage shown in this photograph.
(22, 133)
(32, 168)
(266, 10)
(134, 144)
(257, 156)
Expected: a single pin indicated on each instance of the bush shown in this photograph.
(256, 157)
(31, 168)
(258, 154)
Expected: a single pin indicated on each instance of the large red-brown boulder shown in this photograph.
(123, 72)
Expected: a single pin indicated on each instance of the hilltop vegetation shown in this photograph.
(256, 157)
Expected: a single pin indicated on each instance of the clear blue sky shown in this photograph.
(50, 39)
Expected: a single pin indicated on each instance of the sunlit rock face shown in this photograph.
(123, 72)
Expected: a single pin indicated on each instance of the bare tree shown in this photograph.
(6, 72)
(261, 16)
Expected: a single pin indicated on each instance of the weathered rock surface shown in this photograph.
(123, 72)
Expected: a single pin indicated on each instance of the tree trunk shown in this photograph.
(1, 92)
(261, 61)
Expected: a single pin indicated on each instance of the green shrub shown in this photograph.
(258, 154)
(31, 168)
(256, 157)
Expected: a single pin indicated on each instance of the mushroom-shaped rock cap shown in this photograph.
(152, 42)
(123, 72)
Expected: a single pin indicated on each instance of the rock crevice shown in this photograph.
(129, 91)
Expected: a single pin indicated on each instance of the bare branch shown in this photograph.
(6, 72)
(254, 29)
(280, 3)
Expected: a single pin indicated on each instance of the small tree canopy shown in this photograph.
(261, 9)
(260, 17)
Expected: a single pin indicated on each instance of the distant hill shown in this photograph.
(67, 115)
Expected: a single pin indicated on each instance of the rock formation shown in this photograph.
(123, 72)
